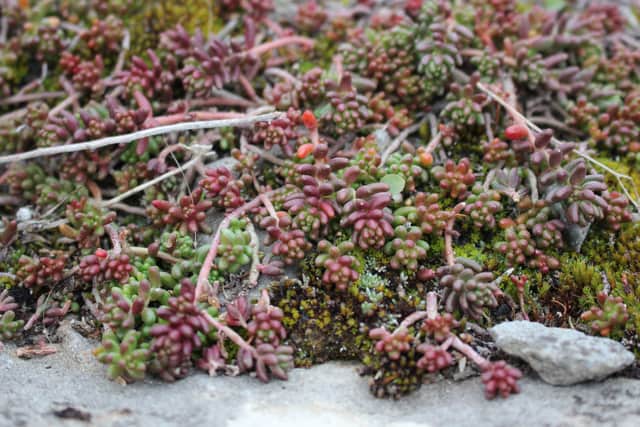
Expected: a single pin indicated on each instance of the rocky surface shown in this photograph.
(561, 356)
(69, 389)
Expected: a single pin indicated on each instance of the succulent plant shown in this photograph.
(464, 109)
(154, 81)
(454, 179)
(127, 357)
(391, 344)
(425, 213)
(38, 272)
(289, 244)
(433, 358)
(609, 316)
(520, 248)
(189, 214)
(616, 211)
(481, 206)
(406, 248)
(176, 337)
(440, 327)
(9, 326)
(88, 222)
(312, 208)
(120, 310)
(366, 211)
(341, 270)
(270, 361)
(347, 113)
(500, 379)
(266, 325)
(467, 288)
(279, 132)
(403, 130)
(235, 247)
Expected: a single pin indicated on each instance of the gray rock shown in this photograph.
(47, 391)
(561, 356)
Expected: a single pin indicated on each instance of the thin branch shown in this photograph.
(144, 252)
(264, 155)
(26, 97)
(203, 277)
(254, 273)
(283, 74)
(126, 41)
(550, 121)
(134, 136)
(129, 209)
(402, 136)
(413, 318)
(433, 144)
(151, 183)
(284, 41)
(115, 238)
(64, 104)
(449, 255)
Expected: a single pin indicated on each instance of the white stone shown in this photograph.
(561, 356)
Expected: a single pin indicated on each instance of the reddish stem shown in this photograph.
(217, 101)
(469, 352)
(449, 255)
(173, 119)
(115, 239)
(144, 252)
(203, 282)
(162, 157)
(432, 305)
(143, 103)
(95, 190)
(248, 88)
(413, 318)
(284, 41)
(230, 333)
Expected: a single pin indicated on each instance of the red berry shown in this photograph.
(304, 150)
(309, 120)
(515, 132)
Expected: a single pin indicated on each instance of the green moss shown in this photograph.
(157, 16)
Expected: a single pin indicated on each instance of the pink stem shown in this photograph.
(283, 74)
(267, 204)
(433, 143)
(273, 26)
(248, 89)
(203, 282)
(115, 239)
(469, 352)
(143, 103)
(216, 101)
(230, 333)
(432, 305)
(445, 345)
(284, 41)
(5, 175)
(522, 307)
(26, 97)
(162, 157)
(448, 235)
(265, 155)
(172, 119)
(144, 252)
(413, 318)
(95, 190)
